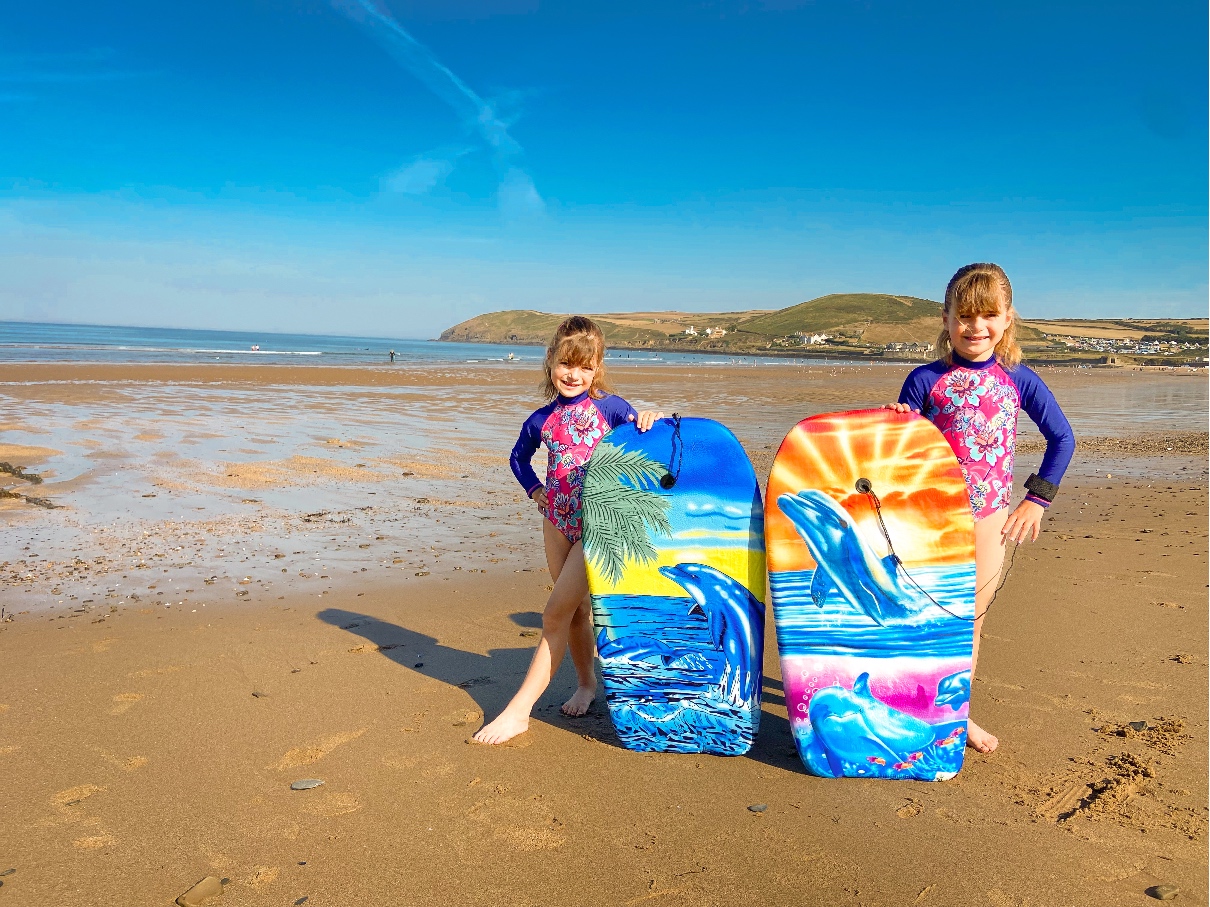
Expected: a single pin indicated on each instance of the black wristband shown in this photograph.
(1039, 487)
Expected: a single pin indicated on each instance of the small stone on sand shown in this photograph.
(1163, 892)
(208, 887)
(758, 807)
(260, 695)
(1139, 725)
(306, 784)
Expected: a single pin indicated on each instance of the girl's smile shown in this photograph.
(975, 337)
(572, 380)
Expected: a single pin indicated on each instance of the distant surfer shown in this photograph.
(973, 394)
(581, 410)
(392, 355)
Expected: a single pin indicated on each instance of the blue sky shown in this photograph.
(365, 167)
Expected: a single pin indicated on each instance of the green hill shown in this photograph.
(642, 329)
(864, 323)
(841, 310)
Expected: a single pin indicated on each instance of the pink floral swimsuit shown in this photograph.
(569, 428)
(975, 405)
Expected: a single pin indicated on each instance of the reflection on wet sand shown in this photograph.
(254, 482)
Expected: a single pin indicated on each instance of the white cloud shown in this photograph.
(418, 177)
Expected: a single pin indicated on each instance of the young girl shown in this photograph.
(579, 414)
(973, 394)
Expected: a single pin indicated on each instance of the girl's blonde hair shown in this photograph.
(982, 289)
(577, 341)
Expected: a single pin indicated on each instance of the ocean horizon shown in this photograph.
(24, 341)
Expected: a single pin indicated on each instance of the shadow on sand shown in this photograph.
(490, 680)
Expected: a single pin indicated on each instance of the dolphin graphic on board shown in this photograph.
(638, 648)
(846, 563)
(854, 727)
(954, 690)
(735, 621)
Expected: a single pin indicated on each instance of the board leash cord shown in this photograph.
(676, 457)
(866, 487)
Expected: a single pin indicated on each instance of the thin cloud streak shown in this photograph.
(517, 193)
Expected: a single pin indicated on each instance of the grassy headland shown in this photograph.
(847, 325)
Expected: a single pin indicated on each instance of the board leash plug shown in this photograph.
(864, 486)
(667, 480)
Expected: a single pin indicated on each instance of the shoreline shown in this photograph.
(871, 357)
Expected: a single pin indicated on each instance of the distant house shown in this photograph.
(691, 331)
(715, 332)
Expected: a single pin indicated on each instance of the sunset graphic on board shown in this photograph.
(911, 468)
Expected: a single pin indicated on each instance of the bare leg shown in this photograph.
(583, 650)
(571, 586)
(989, 558)
(581, 642)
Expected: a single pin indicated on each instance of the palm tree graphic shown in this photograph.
(620, 504)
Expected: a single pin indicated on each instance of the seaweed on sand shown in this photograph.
(18, 472)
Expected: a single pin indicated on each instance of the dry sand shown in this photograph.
(145, 746)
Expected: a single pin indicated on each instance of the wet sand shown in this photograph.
(148, 743)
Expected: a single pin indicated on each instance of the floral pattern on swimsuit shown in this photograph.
(975, 405)
(570, 430)
(977, 413)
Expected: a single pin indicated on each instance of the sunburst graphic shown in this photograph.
(911, 468)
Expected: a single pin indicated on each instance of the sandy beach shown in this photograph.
(252, 575)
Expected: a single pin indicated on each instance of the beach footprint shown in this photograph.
(262, 876)
(312, 753)
(74, 796)
(130, 764)
(123, 702)
(95, 842)
(333, 803)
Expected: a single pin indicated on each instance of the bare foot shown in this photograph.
(504, 728)
(979, 739)
(579, 702)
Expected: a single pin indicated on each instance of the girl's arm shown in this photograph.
(618, 412)
(527, 445)
(915, 391)
(1041, 406)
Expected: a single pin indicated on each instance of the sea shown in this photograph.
(34, 342)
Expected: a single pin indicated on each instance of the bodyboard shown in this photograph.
(875, 650)
(674, 547)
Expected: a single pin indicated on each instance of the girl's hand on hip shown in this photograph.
(539, 498)
(1025, 520)
(646, 419)
(898, 407)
